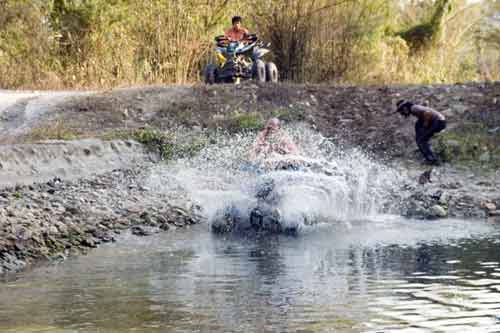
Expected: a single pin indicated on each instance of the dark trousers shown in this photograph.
(423, 135)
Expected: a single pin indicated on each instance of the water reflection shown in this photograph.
(367, 276)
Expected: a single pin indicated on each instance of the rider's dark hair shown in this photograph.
(236, 19)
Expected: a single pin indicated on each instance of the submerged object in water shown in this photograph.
(261, 218)
(264, 209)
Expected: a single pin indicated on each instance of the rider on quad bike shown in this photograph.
(239, 57)
(273, 140)
(279, 173)
(237, 32)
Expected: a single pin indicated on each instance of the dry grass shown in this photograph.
(98, 44)
(56, 131)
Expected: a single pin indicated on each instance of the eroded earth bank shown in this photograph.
(76, 169)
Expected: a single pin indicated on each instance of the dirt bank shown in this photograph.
(32, 163)
(359, 116)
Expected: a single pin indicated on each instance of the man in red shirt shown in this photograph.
(237, 32)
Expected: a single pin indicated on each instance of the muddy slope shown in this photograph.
(30, 163)
(360, 116)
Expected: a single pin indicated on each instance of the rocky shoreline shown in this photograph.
(448, 191)
(52, 220)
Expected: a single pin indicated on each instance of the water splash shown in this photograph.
(349, 185)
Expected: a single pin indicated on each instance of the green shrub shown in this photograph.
(158, 141)
(238, 122)
(468, 145)
(56, 131)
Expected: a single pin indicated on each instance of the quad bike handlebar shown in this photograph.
(223, 41)
(297, 162)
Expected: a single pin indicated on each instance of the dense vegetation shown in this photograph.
(106, 43)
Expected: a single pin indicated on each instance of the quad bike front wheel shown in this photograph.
(210, 74)
(259, 71)
(271, 72)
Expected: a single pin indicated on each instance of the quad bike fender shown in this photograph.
(259, 53)
(220, 59)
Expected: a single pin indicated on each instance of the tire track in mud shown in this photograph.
(21, 112)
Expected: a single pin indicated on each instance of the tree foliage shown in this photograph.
(105, 43)
(426, 34)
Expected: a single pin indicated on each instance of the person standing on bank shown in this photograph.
(429, 123)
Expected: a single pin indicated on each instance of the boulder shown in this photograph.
(485, 157)
(460, 108)
(145, 230)
(437, 211)
(489, 206)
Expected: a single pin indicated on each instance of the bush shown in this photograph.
(102, 43)
(57, 131)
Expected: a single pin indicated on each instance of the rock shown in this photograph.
(425, 177)
(444, 200)
(437, 211)
(90, 242)
(485, 157)
(145, 230)
(53, 230)
(147, 218)
(73, 210)
(107, 237)
(452, 148)
(448, 113)
(495, 130)
(23, 233)
(452, 144)
(460, 108)
(437, 195)
(452, 185)
(489, 206)
(414, 208)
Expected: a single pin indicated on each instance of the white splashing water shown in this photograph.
(219, 177)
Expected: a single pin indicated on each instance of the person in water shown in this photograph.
(429, 123)
(237, 32)
(272, 141)
(270, 151)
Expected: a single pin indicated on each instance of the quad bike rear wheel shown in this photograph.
(210, 74)
(271, 72)
(259, 71)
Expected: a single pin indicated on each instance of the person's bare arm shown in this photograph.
(292, 148)
(289, 146)
(259, 146)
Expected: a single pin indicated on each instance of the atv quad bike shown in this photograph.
(275, 183)
(240, 60)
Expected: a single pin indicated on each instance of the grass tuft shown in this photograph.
(56, 131)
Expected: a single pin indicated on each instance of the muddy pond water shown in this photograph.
(385, 274)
